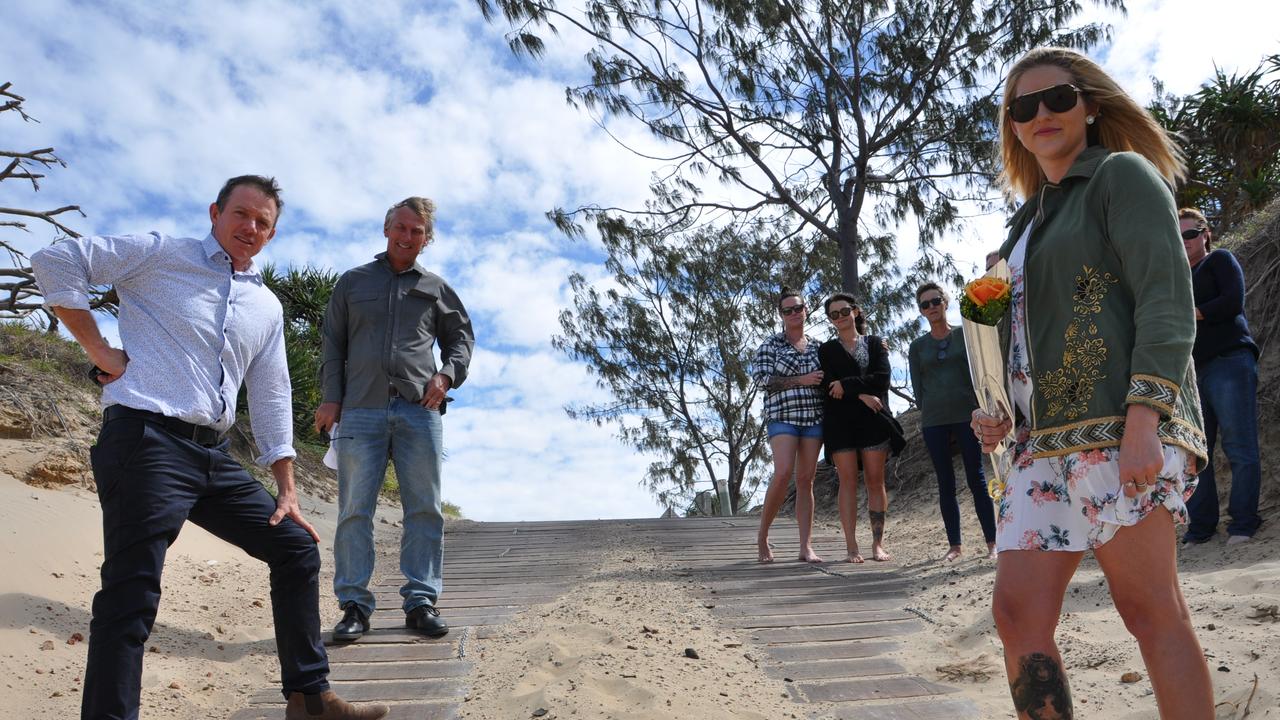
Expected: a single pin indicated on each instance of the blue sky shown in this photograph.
(353, 106)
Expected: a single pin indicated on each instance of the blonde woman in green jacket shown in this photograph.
(1107, 428)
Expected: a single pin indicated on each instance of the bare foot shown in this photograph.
(766, 553)
(952, 554)
(991, 551)
(855, 557)
(809, 556)
(879, 554)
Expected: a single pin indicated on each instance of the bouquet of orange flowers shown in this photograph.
(985, 300)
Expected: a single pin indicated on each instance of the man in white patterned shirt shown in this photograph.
(195, 321)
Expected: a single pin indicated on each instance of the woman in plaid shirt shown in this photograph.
(786, 366)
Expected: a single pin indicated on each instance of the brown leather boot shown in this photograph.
(328, 706)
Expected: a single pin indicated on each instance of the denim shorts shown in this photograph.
(785, 428)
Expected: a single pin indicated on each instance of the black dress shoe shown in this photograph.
(352, 625)
(426, 620)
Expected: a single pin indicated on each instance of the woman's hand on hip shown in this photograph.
(872, 402)
(1141, 457)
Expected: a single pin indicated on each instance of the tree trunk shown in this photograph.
(849, 261)
(722, 495)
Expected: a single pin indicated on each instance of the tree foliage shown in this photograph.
(1230, 130)
(838, 121)
(20, 297)
(304, 294)
(671, 334)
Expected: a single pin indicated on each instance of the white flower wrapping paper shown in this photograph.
(987, 371)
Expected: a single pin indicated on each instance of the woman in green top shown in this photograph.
(944, 392)
(1100, 330)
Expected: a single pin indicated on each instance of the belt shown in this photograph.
(198, 434)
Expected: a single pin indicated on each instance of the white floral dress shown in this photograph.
(1072, 502)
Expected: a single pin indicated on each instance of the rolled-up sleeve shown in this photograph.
(66, 271)
(271, 400)
(455, 336)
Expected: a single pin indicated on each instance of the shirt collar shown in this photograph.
(213, 249)
(382, 257)
(1085, 165)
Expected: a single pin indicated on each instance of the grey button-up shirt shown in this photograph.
(379, 330)
(193, 328)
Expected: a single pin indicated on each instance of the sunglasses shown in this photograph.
(1193, 233)
(942, 348)
(841, 313)
(931, 302)
(792, 310)
(1059, 99)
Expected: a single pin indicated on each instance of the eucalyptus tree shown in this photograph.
(839, 120)
(670, 334)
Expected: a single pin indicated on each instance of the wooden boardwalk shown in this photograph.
(823, 631)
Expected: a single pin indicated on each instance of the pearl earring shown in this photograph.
(1088, 119)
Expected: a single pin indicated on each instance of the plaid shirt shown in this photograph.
(777, 359)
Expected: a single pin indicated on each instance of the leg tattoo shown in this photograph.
(1040, 689)
(877, 524)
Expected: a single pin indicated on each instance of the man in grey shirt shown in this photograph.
(195, 321)
(381, 380)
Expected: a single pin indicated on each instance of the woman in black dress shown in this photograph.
(855, 381)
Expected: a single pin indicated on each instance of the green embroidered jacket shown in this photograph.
(1110, 317)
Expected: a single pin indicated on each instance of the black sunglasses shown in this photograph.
(942, 348)
(1193, 233)
(842, 312)
(792, 310)
(1059, 99)
(931, 302)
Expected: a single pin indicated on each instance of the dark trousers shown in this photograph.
(938, 440)
(1229, 400)
(150, 482)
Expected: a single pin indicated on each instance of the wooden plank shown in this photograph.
(383, 691)
(860, 631)
(364, 652)
(402, 635)
(343, 672)
(830, 650)
(817, 619)
(835, 669)
(938, 709)
(870, 689)
(738, 607)
(824, 591)
(389, 621)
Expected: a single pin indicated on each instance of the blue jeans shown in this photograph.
(1229, 400)
(412, 437)
(150, 483)
(937, 439)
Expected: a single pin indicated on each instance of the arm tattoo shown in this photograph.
(877, 524)
(781, 382)
(1040, 689)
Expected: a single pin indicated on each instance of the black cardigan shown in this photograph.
(849, 419)
(1218, 283)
